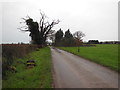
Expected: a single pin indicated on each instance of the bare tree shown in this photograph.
(39, 31)
(78, 38)
(78, 35)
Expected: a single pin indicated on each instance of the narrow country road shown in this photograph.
(71, 71)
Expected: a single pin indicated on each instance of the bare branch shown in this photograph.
(23, 29)
(28, 16)
(79, 35)
(22, 22)
(23, 18)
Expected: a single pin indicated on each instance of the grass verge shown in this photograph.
(106, 55)
(39, 76)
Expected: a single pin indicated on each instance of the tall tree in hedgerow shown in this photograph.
(39, 31)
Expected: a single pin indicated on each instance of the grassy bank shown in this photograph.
(12, 51)
(39, 76)
(106, 54)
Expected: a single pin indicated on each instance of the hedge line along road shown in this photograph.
(71, 71)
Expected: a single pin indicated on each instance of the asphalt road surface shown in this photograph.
(71, 71)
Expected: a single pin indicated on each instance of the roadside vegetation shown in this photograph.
(104, 54)
(12, 51)
(39, 76)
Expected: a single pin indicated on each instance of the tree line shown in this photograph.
(68, 39)
(40, 31)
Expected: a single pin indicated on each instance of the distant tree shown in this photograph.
(78, 35)
(39, 31)
(68, 34)
(68, 39)
(93, 42)
(58, 37)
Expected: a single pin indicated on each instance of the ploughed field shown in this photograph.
(104, 54)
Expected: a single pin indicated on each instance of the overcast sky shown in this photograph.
(98, 19)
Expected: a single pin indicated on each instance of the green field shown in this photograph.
(39, 76)
(105, 54)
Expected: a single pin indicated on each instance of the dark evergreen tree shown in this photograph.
(58, 37)
(68, 34)
(68, 39)
(33, 27)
